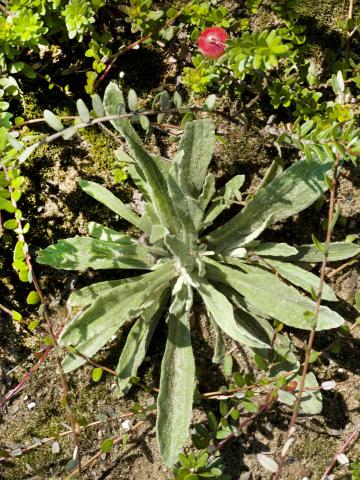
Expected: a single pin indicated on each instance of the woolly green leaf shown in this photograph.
(336, 251)
(80, 253)
(87, 295)
(90, 346)
(137, 343)
(104, 196)
(149, 168)
(219, 350)
(302, 278)
(193, 156)
(230, 192)
(97, 105)
(289, 193)
(222, 312)
(108, 234)
(123, 299)
(271, 249)
(268, 294)
(132, 100)
(177, 381)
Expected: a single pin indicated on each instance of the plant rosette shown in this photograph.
(212, 42)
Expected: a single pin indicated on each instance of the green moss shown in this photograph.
(30, 106)
(101, 147)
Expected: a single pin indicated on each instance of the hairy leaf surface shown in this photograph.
(271, 296)
(177, 381)
(80, 253)
(115, 306)
(104, 196)
(289, 193)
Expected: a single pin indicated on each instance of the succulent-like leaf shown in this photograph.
(289, 193)
(271, 296)
(80, 253)
(177, 381)
(104, 196)
(301, 278)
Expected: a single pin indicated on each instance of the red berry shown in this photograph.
(212, 42)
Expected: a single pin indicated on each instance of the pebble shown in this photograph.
(126, 425)
(31, 405)
(55, 447)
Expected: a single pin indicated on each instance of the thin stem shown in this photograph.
(131, 46)
(5, 309)
(297, 404)
(262, 409)
(349, 440)
(68, 432)
(99, 453)
(39, 291)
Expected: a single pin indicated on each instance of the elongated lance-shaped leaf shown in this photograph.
(230, 192)
(271, 296)
(108, 234)
(255, 324)
(289, 193)
(301, 278)
(138, 176)
(219, 349)
(115, 306)
(138, 340)
(157, 186)
(177, 380)
(237, 250)
(193, 157)
(222, 312)
(188, 210)
(104, 196)
(272, 249)
(87, 295)
(80, 253)
(89, 347)
(336, 251)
